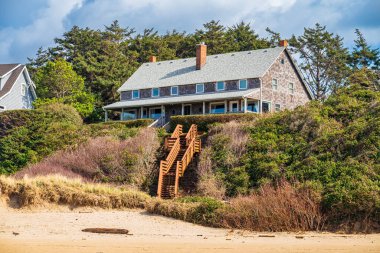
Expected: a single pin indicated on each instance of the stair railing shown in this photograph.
(169, 141)
(166, 164)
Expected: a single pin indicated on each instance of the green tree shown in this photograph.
(241, 37)
(58, 82)
(363, 56)
(323, 59)
(213, 34)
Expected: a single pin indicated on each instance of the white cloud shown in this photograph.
(48, 24)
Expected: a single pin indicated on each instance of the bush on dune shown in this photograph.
(105, 159)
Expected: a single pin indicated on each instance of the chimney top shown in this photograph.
(152, 58)
(201, 55)
(283, 43)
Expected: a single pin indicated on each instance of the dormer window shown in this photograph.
(220, 86)
(135, 94)
(200, 88)
(23, 89)
(155, 92)
(174, 90)
(243, 85)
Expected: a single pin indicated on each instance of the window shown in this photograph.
(155, 92)
(291, 88)
(23, 89)
(243, 84)
(266, 106)
(282, 61)
(253, 106)
(135, 94)
(174, 90)
(274, 84)
(277, 107)
(130, 114)
(220, 86)
(155, 113)
(217, 108)
(200, 88)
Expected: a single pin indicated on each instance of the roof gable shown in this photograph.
(229, 66)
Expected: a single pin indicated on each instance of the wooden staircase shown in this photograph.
(181, 149)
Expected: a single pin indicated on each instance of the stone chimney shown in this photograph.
(201, 55)
(152, 58)
(283, 43)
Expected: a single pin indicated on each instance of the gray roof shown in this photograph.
(183, 99)
(6, 68)
(221, 67)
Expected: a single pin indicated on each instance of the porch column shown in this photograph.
(183, 110)
(225, 106)
(245, 105)
(141, 112)
(122, 114)
(105, 116)
(204, 107)
(162, 110)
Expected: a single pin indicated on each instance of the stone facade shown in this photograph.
(284, 72)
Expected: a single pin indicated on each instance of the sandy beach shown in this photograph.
(59, 229)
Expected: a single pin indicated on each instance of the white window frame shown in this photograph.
(277, 107)
(171, 91)
(234, 102)
(191, 109)
(275, 87)
(23, 89)
(270, 106)
(217, 103)
(291, 90)
(138, 94)
(246, 82)
(153, 108)
(153, 92)
(129, 110)
(224, 86)
(196, 88)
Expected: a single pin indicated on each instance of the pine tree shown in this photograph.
(323, 59)
(363, 56)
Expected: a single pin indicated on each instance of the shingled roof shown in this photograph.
(229, 66)
(16, 71)
(6, 68)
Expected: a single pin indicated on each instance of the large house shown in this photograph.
(257, 81)
(17, 91)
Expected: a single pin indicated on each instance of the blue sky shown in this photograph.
(26, 25)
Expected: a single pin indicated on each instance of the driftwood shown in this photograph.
(106, 230)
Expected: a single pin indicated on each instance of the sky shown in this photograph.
(26, 25)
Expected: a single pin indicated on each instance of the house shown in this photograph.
(257, 81)
(17, 91)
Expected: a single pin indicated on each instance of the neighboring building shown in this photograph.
(17, 91)
(264, 80)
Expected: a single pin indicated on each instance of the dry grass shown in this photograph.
(104, 159)
(72, 192)
(281, 208)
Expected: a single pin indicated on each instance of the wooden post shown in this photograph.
(176, 179)
(122, 114)
(142, 112)
(204, 108)
(105, 115)
(183, 110)
(160, 177)
(225, 106)
(245, 105)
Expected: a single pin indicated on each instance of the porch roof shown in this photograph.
(250, 93)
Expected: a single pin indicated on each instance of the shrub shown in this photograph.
(104, 159)
(205, 121)
(28, 136)
(73, 192)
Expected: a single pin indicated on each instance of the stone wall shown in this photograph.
(285, 73)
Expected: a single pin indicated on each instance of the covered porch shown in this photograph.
(166, 107)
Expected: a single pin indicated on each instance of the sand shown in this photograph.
(52, 229)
